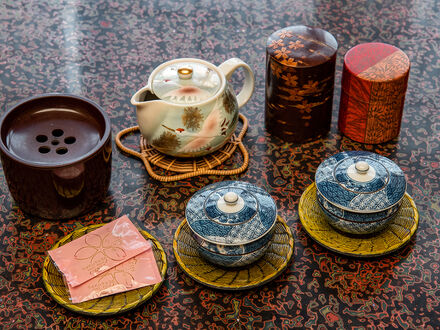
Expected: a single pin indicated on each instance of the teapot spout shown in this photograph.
(151, 112)
(143, 95)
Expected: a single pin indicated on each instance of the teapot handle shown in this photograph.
(228, 67)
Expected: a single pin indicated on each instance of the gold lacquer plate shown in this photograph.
(109, 305)
(390, 239)
(265, 269)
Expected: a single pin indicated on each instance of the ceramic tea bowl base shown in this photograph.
(231, 260)
(353, 216)
(398, 232)
(231, 250)
(268, 267)
(357, 227)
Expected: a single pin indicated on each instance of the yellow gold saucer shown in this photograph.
(390, 239)
(109, 305)
(265, 269)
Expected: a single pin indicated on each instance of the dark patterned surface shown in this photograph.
(105, 50)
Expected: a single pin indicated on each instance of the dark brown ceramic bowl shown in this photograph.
(56, 154)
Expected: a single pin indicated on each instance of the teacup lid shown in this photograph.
(185, 81)
(231, 213)
(360, 181)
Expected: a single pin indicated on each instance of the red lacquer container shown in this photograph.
(374, 82)
(300, 72)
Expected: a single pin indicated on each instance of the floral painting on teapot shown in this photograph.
(188, 108)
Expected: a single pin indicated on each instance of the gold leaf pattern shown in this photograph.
(228, 101)
(311, 87)
(296, 45)
(276, 43)
(285, 34)
(192, 118)
(167, 141)
(305, 107)
(293, 94)
(291, 62)
(282, 53)
(291, 79)
(276, 69)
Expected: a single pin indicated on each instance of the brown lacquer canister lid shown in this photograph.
(301, 46)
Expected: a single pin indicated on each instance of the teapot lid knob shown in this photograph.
(185, 72)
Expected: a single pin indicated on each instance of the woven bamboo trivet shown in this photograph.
(188, 167)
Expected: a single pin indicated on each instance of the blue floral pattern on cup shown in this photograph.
(385, 190)
(234, 249)
(356, 227)
(248, 212)
(234, 232)
(353, 216)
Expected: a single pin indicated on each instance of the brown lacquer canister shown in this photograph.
(300, 72)
(374, 83)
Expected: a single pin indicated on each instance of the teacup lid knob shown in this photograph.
(362, 167)
(230, 198)
(185, 72)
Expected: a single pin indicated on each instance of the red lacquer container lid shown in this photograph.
(374, 83)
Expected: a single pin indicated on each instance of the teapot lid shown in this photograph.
(231, 213)
(360, 181)
(185, 81)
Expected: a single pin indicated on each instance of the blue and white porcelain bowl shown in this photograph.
(232, 222)
(233, 260)
(359, 191)
(361, 226)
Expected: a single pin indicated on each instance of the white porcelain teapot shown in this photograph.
(188, 108)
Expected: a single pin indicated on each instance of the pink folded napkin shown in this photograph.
(98, 251)
(132, 274)
(111, 259)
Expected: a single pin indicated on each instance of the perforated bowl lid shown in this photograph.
(360, 181)
(186, 82)
(231, 213)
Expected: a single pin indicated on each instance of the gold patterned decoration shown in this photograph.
(229, 103)
(192, 118)
(296, 45)
(272, 264)
(285, 34)
(285, 37)
(299, 85)
(390, 239)
(276, 43)
(387, 96)
(167, 141)
(282, 53)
